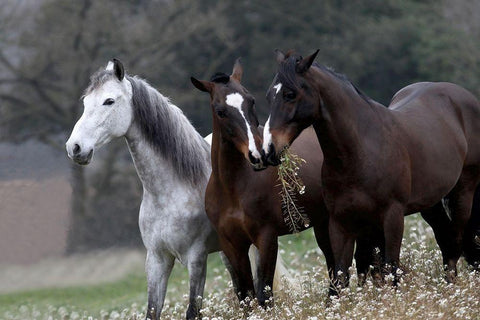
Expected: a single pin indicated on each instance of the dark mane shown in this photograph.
(287, 74)
(220, 77)
(168, 131)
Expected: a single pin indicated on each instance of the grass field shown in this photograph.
(422, 293)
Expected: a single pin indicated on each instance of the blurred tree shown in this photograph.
(64, 44)
(449, 47)
(381, 45)
(49, 48)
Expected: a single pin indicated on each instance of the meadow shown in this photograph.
(421, 294)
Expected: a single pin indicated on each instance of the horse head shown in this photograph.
(234, 114)
(291, 99)
(107, 113)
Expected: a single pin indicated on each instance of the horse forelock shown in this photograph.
(287, 74)
(220, 77)
(169, 132)
(98, 79)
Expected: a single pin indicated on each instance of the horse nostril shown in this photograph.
(252, 158)
(76, 149)
(263, 155)
(271, 157)
(271, 150)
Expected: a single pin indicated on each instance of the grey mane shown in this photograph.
(168, 131)
(164, 127)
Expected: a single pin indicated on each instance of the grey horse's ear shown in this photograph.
(306, 62)
(279, 55)
(237, 70)
(202, 85)
(118, 69)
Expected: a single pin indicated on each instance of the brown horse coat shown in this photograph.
(381, 164)
(244, 205)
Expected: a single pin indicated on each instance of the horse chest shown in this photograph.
(165, 218)
(352, 204)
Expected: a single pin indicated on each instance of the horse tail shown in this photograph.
(471, 245)
(282, 279)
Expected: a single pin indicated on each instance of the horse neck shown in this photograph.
(229, 167)
(154, 171)
(161, 171)
(346, 124)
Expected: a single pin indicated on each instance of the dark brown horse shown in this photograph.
(243, 205)
(381, 164)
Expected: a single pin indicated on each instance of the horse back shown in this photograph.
(438, 124)
(442, 108)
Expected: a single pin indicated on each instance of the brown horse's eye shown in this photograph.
(221, 113)
(289, 95)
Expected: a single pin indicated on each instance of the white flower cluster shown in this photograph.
(422, 292)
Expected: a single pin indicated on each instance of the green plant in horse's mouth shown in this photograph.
(291, 184)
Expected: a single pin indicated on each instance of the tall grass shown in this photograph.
(421, 294)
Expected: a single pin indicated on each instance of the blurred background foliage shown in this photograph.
(49, 49)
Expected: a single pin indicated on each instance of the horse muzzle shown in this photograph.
(258, 164)
(78, 155)
(271, 157)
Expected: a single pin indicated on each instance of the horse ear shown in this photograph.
(280, 56)
(306, 62)
(202, 85)
(109, 66)
(237, 70)
(118, 69)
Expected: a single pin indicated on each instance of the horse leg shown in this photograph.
(441, 224)
(367, 256)
(460, 202)
(237, 255)
(342, 247)
(158, 268)
(231, 271)
(471, 239)
(323, 242)
(268, 249)
(197, 270)
(393, 224)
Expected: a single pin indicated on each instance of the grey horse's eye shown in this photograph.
(108, 102)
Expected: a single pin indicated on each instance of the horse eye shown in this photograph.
(290, 95)
(221, 113)
(108, 102)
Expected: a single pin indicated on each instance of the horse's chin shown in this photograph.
(258, 166)
(83, 160)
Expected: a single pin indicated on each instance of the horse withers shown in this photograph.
(383, 163)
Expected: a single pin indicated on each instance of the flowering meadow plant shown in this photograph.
(422, 292)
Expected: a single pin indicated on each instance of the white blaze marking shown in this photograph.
(235, 100)
(267, 136)
(277, 87)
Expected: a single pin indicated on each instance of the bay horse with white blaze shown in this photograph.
(383, 163)
(244, 205)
